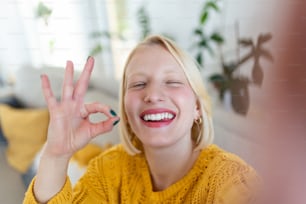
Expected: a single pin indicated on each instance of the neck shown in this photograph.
(169, 165)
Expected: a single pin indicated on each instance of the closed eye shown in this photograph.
(174, 83)
(137, 85)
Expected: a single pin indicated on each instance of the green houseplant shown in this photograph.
(229, 80)
(42, 11)
(205, 41)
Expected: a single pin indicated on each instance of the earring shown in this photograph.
(198, 130)
(198, 121)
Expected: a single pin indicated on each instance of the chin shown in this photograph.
(157, 144)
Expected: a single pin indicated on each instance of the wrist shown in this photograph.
(51, 175)
(54, 154)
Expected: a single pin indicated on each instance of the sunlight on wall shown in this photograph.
(28, 40)
(120, 18)
(60, 38)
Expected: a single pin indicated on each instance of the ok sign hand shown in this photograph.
(70, 128)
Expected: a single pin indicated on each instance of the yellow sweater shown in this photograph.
(116, 177)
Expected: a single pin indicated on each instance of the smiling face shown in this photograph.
(159, 103)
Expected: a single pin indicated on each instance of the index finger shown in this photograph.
(47, 91)
(82, 83)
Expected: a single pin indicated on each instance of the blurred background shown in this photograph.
(239, 45)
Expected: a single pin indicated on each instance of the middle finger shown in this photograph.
(83, 81)
(68, 82)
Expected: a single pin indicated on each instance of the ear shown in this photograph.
(197, 111)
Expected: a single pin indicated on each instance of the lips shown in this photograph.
(157, 117)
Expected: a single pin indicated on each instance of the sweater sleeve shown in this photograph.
(64, 196)
(237, 183)
(93, 185)
(90, 188)
(87, 190)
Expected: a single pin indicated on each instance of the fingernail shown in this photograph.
(88, 58)
(116, 122)
(113, 112)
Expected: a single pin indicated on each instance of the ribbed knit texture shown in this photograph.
(116, 177)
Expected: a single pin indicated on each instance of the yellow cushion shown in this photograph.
(26, 131)
(83, 156)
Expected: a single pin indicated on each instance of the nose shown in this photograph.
(153, 93)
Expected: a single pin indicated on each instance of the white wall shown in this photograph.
(12, 39)
(179, 17)
(253, 17)
(24, 39)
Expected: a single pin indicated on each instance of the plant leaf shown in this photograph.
(266, 54)
(96, 50)
(198, 31)
(217, 77)
(203, 18)
(220, 82)
(257, 75)
(229, 68)
(42, 10)
(144, 22)
(245, 42)
(217, 37)
(212, 5)
(203, 43)
(264, 38)
(199, 58)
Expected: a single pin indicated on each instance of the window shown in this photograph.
(46, 33)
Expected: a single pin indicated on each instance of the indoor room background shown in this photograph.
(234, 42)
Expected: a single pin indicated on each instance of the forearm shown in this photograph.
(51, 176)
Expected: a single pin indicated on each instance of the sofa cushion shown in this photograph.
(25, 131)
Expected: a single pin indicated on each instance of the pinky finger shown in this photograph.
(47, 91)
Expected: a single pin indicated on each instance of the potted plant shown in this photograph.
(204, 41)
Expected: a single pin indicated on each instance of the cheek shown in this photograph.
(127, 104)
(130, 104)
(187, 101)
(184, 96)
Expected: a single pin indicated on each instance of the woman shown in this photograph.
(166, 154)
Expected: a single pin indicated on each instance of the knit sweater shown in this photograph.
(117, 177)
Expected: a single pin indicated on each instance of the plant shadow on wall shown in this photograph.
(230, 81)
(237, 85)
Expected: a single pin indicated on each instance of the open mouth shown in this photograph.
(158, 117)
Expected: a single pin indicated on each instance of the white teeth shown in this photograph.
(158, 116)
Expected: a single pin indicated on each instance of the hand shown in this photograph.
(69, 127)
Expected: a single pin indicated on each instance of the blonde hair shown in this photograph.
(202, 131)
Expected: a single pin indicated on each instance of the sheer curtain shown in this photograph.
(66, 34)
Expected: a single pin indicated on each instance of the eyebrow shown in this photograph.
(128, 76)
(140, 72)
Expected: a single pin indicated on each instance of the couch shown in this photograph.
(24, 120)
